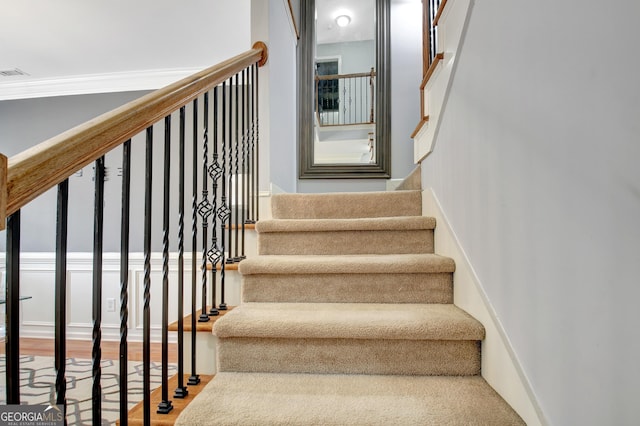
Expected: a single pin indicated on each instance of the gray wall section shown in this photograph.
(282, 98)
(535, 166)
(356, 56)
(25, 123)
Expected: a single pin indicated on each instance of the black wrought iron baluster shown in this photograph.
(215, 171)
(244, 163)
(12, 338)
(372, 83)
(204, 208)
(194, 379)
(223, 210)
(361, 98)
(350, 102)
(146, 297)
(252, 149)
(181, 390)
(344, 105)
(231, 171)
(249, 145)
(124, 280)
(434, 6)
(257, 176)
(236, 257)
(165, 406)
(61, 293)
(98, 231)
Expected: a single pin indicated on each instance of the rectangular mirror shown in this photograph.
(343, 79)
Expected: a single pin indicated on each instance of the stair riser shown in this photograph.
(349, 356)
(346, 242)
(381, 204)
(348, 288)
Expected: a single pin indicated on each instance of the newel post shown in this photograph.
(3, 191)
(260, 45)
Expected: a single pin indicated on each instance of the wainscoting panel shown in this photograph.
(37, 282)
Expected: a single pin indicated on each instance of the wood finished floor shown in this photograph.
(82, 349)
(136, 414)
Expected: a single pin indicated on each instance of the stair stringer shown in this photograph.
(500, 366)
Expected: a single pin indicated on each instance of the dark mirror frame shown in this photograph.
(307, 167)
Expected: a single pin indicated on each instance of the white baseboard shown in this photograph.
(500, 365)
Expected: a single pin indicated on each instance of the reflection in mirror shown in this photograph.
(344, 82)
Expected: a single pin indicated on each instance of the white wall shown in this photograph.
(535, 167)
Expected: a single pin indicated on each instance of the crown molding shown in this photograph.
(92, 83)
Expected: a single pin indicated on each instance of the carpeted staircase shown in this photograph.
(347, 319)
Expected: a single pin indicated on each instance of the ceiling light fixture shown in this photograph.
(343, 20)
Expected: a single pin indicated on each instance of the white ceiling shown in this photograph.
(362, 26)
(92, 46)
(107, 40)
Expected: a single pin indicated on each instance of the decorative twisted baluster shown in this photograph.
(204, 208)
(244, 161)
(146, 297)
(124, 279)
(236, 199)
(165, 406)
(215, 171)
(252, 150)
(194, 379)
(231, 171)
(257, 148)
(223, 210)
(96, 352)
(181, 390)
(61, 293)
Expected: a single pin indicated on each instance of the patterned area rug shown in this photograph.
(37, 385)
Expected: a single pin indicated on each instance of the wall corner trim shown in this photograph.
(93, 83)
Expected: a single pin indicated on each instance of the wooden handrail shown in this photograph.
(439, 13)
(293, 20)
(430, 71)
(3, 191)
(439, 57)
(37, 169)
(422, 122)
(338, 76)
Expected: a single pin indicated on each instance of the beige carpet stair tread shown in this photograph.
(312, 399)
(349, 321)
(358, 224)
(346, 205)
(347, 264)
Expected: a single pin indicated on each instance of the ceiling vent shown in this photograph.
(12, 73)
